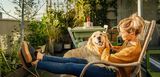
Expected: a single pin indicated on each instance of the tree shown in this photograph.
(31, 8)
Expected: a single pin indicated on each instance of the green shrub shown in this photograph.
(36, 33)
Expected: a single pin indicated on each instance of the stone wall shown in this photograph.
(8, 25)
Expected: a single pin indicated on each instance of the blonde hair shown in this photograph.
(134, 23)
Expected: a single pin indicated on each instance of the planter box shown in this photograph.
(67, 46)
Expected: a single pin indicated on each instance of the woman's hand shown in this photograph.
(116, 48)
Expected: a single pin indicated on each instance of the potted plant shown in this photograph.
(58, 45)
(53, 29)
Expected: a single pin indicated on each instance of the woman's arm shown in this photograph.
(126, 55)
(105, 53)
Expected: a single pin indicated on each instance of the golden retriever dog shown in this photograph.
(93, 49)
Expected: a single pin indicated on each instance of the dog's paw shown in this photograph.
(111, 68)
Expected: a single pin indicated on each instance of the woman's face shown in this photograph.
(124, 34)
(127, 36)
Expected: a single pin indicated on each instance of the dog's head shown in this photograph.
(98, 41)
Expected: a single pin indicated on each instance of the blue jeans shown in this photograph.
(74, 66)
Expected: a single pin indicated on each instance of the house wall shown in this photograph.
(127, 7)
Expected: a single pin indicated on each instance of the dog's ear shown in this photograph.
(89, 43)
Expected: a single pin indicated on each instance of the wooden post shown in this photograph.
(139, 7)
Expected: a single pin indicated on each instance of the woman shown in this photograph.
(129, 29)
(129, 52)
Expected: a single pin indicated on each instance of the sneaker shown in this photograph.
(27, 53)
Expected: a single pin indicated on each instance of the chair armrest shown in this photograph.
(108, 63)
(115, 64)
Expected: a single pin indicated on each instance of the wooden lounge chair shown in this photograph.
(137, 70)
